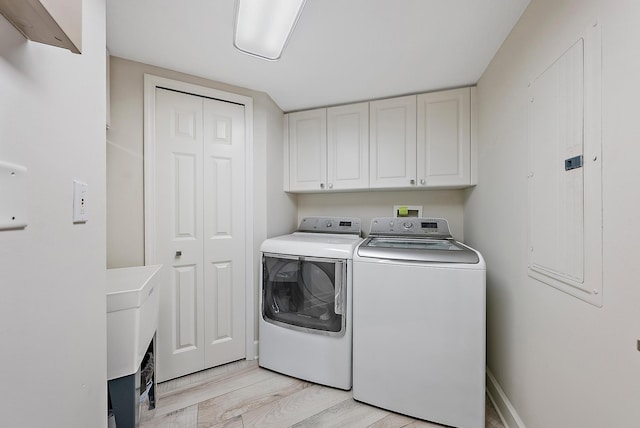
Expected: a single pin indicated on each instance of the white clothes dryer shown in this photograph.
(419, 322)
(305, 301)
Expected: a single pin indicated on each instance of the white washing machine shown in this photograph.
(419, 322)
(305, 301)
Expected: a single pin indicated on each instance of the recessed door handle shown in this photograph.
(178, 253)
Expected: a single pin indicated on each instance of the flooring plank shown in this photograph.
(238, 402)
(183, 418)
(294, 408)
(392, 420)
(184, 383)
(492, 419)
(235, 422)
(348, 413)
(244, 395)
(213, 388)
(422, 424)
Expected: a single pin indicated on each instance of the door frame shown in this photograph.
(152, 82)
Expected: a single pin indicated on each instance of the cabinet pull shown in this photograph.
(322, 185)
(178, 253)
(412, 181)
(330, 185)
(422, 181)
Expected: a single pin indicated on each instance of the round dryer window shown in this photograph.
(303, 293)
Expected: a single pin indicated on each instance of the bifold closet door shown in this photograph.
(200, 235)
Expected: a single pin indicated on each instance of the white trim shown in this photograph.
(473, 173)
(504, 408)
(285, 152)
(152, 82)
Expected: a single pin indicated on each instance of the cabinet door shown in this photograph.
(444, 138)
(393, 142)
(308, 150)
(348, 147)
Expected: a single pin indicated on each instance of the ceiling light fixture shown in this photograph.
(263, 27)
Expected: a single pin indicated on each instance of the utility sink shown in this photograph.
(132, 317)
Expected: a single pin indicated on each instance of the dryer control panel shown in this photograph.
(410, 226)
(346, 225)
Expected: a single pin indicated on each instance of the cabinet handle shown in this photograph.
(178, 253)
(330, 185)
(412, 181)
(322, 185)
(422, 181)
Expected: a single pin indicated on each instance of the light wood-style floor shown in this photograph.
(243, 395)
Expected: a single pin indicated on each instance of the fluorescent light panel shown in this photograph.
(263, 27)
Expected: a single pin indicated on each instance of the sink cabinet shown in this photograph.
(132, 321)
(132, 316)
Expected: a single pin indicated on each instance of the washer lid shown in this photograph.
(417, 249)
(336, 246)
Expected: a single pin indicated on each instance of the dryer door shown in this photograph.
(304, 293)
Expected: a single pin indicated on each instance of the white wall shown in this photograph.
(446, 204)
(273, 210)
(561, 362)
(52, 274)
(125, 212)
(281, 206)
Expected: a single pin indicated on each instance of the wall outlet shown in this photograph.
(407, 211)
(80, 214)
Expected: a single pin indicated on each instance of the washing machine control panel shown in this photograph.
(347, 225)
(412, 226)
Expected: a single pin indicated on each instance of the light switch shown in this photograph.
(80, 202)
(13, 196)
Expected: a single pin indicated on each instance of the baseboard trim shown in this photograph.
(503, 406)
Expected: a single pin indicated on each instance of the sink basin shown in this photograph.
(132, 317)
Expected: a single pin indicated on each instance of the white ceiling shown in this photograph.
(341, 51)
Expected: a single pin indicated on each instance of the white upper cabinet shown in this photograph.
(393, 142)
(444, 138)
(329, 149)
(308, 150)
(411, 142)
(348, 147)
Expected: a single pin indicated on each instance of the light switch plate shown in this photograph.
(80, 214)
(13, 196)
